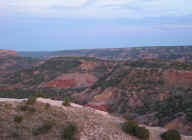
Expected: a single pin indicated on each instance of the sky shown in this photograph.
(39, 25)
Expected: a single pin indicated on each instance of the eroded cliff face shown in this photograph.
(73, 80)
(178, 79)
(88, 66)
(4, 53)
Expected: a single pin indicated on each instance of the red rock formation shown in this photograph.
(4, 53)
(88, 65)
(73, 80)
(62, 83)
(102, 107)
(178, 79)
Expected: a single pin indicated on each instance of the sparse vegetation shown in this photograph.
(47, 106)
(26, 108)
(18, 119)
(31, 100)
(69, 131)
(44, 128)
(129, 127)
(66, 101)
(132, 128)
(171, 135)
(142, 133)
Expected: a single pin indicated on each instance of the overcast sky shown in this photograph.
(79, 24)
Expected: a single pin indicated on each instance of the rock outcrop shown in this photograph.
(5, 53)
(73, 80)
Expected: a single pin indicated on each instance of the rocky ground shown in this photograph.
(91, 124)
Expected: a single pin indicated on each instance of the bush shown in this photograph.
(142, 133)
(31, 109)
(18, 119)
(69, 131)
(66, 101)
(40, 94)
(22, 107)
(171, 135)
(26, 108)
(129, 127)
(31, 100)
(46, 126)
(47, 106)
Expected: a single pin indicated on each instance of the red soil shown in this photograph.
(62, 83)
(98, 107)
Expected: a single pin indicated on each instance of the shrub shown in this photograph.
(66, 101)
(46, 126)
(128, 117)
(69, 131)
(26, 108)
(129, 127)
(40, 94)
(142, 133)
(31, 100)
(31, 109)
(47, 106)
(22, 107)
(171, 135)
(18, 119)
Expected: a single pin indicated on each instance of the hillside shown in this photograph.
(180, 53)
(53, 117)
(60, 72)
(11, 62)
(153, 92)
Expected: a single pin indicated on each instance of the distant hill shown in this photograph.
(182, 53)
(4, 53)
(11, 62)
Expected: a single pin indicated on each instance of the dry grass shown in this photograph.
(91, 125)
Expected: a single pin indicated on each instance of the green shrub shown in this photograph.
(171, 135)
(22, 107)
(46, 126)
(40, 94)
(31, 100)
(31, 109)
(26, 108)
(47, 106)
(142, 133)
(66, 101)
(18, 119)
(129, 127)
(69, 131)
